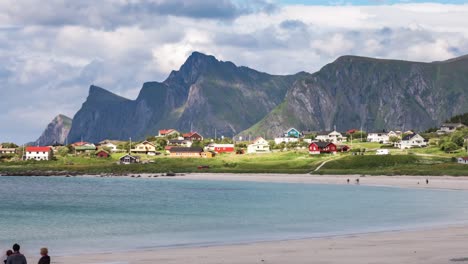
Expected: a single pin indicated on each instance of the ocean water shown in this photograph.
(77, 215)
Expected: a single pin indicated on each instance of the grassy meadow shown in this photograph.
(420, 161)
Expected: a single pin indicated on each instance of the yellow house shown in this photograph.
(145, 147)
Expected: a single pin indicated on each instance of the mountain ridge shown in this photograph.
(213, 96)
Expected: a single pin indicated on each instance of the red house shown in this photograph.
(221, 148)
(322, 147)
(192, 136)
(102, 154)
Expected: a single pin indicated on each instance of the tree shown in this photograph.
(394, 139)
(161, 143)
(458, 139)
(63, 151)
(311, 136)
(9, 145)
(272, 144)
(449, 147)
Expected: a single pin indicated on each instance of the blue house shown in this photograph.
(293, 133)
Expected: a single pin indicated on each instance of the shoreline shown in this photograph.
(429, 245)
(420, 245)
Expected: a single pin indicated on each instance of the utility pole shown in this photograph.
(130, 146)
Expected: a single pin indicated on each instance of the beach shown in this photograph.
(435, 246)
(426, 245)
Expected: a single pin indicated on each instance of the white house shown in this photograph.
(38, 153)
(285, 140)
(463, 160)
(448, 128)
(259, 145)
(380, 137)
(7, 150)
(411, 141)
(111, 146)
(333, 136)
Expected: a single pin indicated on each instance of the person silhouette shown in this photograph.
(16, 257)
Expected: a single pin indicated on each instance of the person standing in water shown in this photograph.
(427, 181)
(45, 259)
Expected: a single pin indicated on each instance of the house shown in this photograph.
(145, 147)
(107, 144)
(167, 132)
(184, 152)
(220, 148)
(192, 136)
(333, 136)
(411, 141)
(285, 140)
(180, 142)
(38, 153)
(320, 147)
(7, 150)
(463, 160)
(129, 159)
(83, 147)
(102, 154)
(292, 133)
(448, 128)
(394, 134)
(343, 148)
(379, 137)
(208, 154)
(259, 145)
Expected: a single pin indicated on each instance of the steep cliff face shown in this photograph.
(204, 94)
(56, 132)
(357, 92)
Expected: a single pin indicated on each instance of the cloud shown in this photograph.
(110, 14)
(49, 58)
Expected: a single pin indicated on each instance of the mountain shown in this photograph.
(372, 94)
(212, 96)
(205, 94)
(56, 131)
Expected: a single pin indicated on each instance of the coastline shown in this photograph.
(440, 244)
(436, 245)
(435, 182)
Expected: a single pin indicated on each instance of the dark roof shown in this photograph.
(408, 137)
(186, 150)
(176, 141)
(130, 156)
(322, 144)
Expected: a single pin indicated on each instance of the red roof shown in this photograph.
(189, 134)
(165, 131)
(81, 143)
(464, 158)
(38, 149)
(168, 147)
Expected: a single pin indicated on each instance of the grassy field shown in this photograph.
(277, 162)
(424, 161)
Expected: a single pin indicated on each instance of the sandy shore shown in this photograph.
(435, 182)
(437, 245)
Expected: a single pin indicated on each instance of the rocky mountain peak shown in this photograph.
(56, 132)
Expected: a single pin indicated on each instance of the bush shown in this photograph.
(449, 147)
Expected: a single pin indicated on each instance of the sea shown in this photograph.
(76, 215)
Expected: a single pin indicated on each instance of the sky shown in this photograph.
(52, 51)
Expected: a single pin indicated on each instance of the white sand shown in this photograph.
(433, 246)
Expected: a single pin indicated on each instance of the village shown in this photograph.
(174, 144)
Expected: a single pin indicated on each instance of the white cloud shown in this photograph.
(50, 58)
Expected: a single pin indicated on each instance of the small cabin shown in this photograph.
(102, 154)
(129, 159)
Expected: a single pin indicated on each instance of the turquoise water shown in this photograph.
(76, 215)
